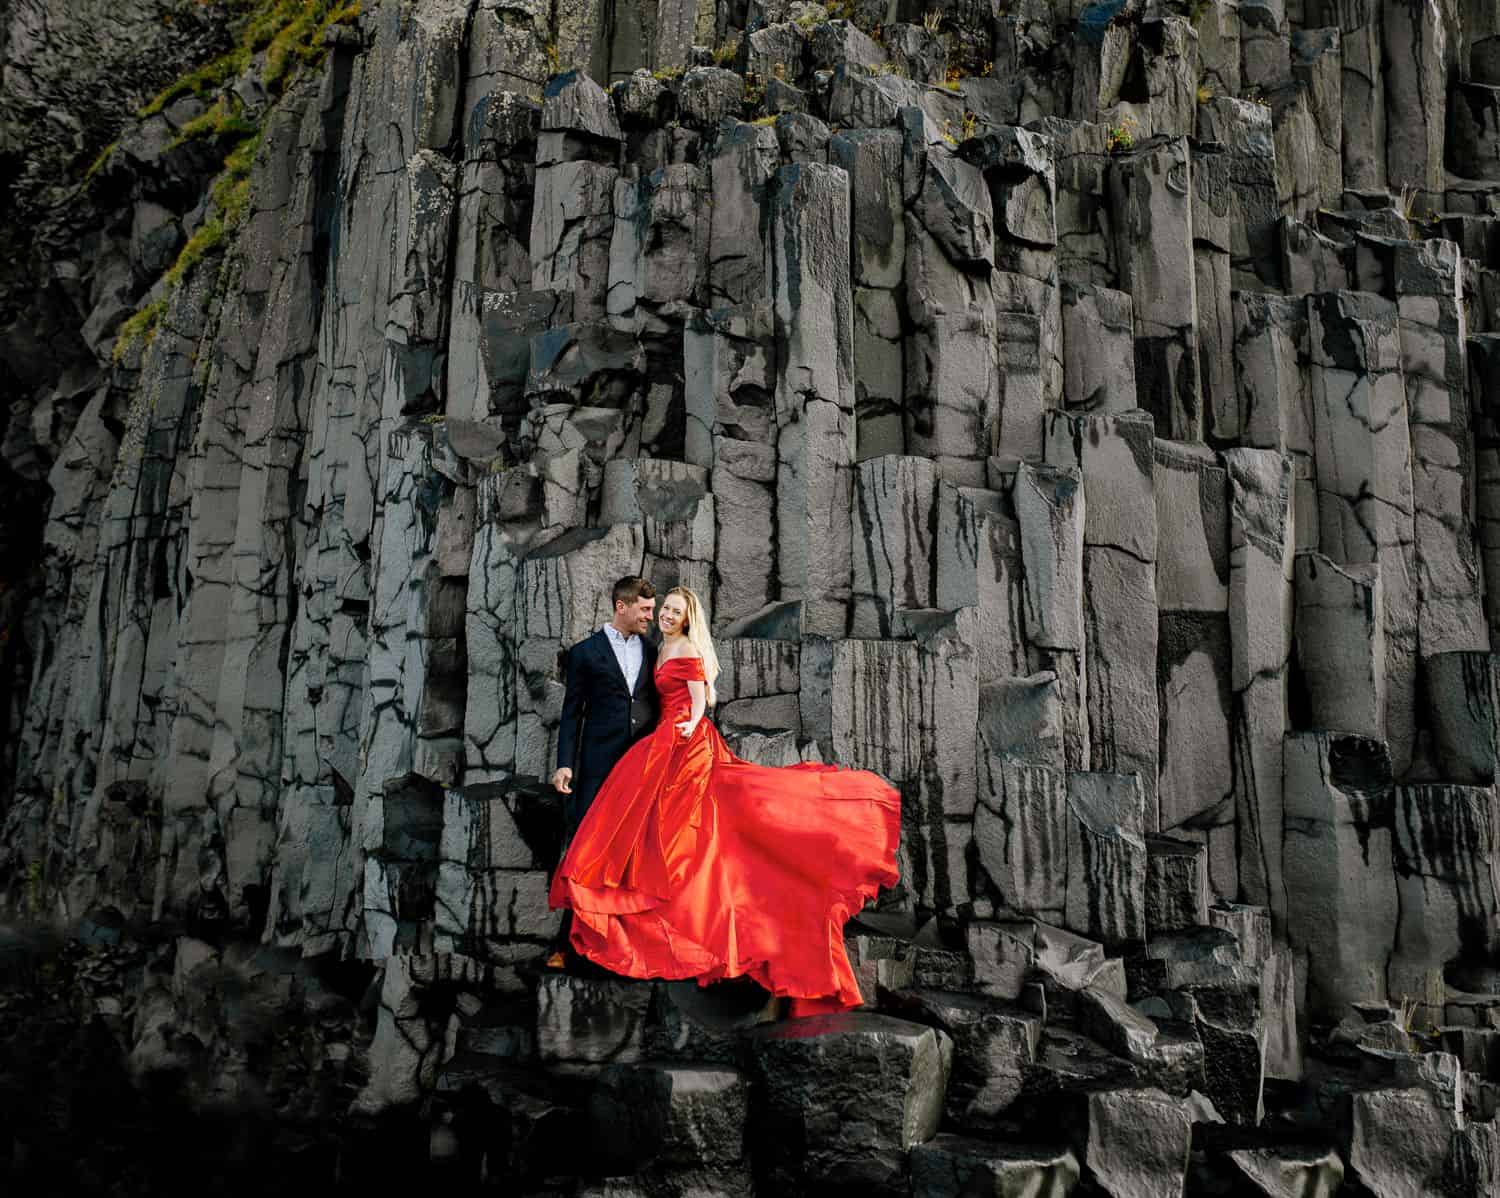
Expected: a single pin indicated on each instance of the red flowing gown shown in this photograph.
(692, 862)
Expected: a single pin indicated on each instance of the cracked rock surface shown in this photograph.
(1086, 416)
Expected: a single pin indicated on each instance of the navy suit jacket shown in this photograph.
(601, 717)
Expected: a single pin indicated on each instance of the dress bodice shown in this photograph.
(672, 678)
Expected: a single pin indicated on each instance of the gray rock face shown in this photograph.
(949, 1166)
(1338, 798)
(846, 1096)
(1084, 416)
(1136, 1143)
(1279, 1171)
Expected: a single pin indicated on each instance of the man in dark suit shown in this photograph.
(610, 699)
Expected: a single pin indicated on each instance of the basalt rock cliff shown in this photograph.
(1086, 415)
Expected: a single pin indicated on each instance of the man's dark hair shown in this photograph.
(630, 588)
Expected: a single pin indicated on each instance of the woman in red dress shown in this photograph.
(694, 863)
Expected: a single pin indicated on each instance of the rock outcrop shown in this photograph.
(1083, 415)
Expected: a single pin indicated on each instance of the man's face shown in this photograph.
(635, 617)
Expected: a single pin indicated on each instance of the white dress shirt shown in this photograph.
(628, 653)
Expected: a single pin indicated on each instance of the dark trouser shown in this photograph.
(575, 806)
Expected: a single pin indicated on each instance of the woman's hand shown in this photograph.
(698, 691)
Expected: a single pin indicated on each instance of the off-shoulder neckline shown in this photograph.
(662, 665)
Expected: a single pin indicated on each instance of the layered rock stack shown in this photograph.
(1083, 415)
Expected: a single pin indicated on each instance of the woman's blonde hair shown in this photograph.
(695, 628)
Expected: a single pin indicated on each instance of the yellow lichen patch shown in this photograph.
(290, 32)
(140, 327)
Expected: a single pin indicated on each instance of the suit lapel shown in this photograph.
(608, 649)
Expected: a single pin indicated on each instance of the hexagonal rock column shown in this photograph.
(939, 811)
(1106, 896)
(573, 209)
(758, 688)
(729, 365)
(1463, 711)
(979, 565)
(1341, 644)
(1261, 538)
(1363, 452)
(1447, 868)
(893, 534)
(672, 502)
(1270, 352)
(1316, 64)
(1264, 43)
(491, 902)
(839, 1100)
(1219, 34)
(872, 158)
(1115, 455)
(493, 307)
(953, 389)
(1176, 884)
(1342, 904)
(1151, 191)
(391, 746)
(1098, 349)
(1020, 171)
(1473, 142)
(1415, 42)
(1435, 366)
(1251, 928)
(1484, 400)
(1363, 86)
(1193, 656)
(895, 710)
(1050, 509)
(814, 391)
(1021, 824)
(659, 249)
(491, 610)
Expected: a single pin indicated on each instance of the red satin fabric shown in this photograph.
(694, 863)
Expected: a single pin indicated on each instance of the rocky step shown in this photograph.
(585, 1022)
(950, 1166)
(491, 1118)
(1013, 957)
(671, 1115)
(693, 1023)
(993, 1044)
(506, 1030)
(1290, 1171)
(723, 1181)
(1252, 1163)
(838, 1101)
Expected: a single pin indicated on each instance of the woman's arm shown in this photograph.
(699, 694)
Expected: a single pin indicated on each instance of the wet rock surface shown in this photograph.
(1081, 415)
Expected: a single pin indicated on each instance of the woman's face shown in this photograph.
(673, 615)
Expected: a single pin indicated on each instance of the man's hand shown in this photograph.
(686, 728)
(562, 781)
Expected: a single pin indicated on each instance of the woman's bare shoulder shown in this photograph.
(685, 655)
